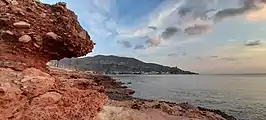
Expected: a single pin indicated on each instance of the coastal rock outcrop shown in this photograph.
(35, 95)
(33, 33)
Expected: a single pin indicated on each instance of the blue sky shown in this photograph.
(207, 36)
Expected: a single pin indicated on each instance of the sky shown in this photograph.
(206, 36)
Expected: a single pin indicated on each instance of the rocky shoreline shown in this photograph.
(120, 96)
(65, 94)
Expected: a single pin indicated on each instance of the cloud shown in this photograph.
(214, 56)
(199, 58)
(168, 19)
(229, 13)
(183, 11)
(177, 54)
(198, 29)
(259, 15)
(134, 32)
(169, 32)
(247, 6)
(163, 12)
(228, 58)
(153, 42)
(172, 55)
(183, 53)
(195, 9)
(126, 44)
(150, 42)
(253, 43)
(238, 52)
(185, 17)
(139, 47)
(153, 27)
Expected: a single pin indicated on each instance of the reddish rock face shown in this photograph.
(35, 95)
(32, 33)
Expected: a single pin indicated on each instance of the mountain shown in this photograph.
(117, 65)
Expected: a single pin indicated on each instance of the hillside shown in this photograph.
(117, 65)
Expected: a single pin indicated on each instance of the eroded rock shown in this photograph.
(8, 32)
(43, 15)
(83, 34)
(32, 94)
(54, 29)
(24, 38)
(2, 3)
(31, 34)
(52, 35)
(52, 95)
(22, 24)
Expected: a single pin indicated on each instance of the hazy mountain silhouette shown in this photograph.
(115, 64)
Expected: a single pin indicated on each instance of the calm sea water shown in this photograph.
(242, 96)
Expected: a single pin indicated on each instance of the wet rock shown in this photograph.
(24, 38)
(52, 35)
(22, 24)
(157, 106)
(130, 92)
(219, 112)
(187, 106)
(136, 106)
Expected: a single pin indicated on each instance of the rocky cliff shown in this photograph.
(31, 34)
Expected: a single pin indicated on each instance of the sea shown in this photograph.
(242, 96)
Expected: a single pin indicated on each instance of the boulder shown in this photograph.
(21, 24)
(55, 30)
(24, 38)
(52, 35)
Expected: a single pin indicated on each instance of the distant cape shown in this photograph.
(117, 65)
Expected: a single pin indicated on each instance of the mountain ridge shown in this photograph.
(111, 64)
